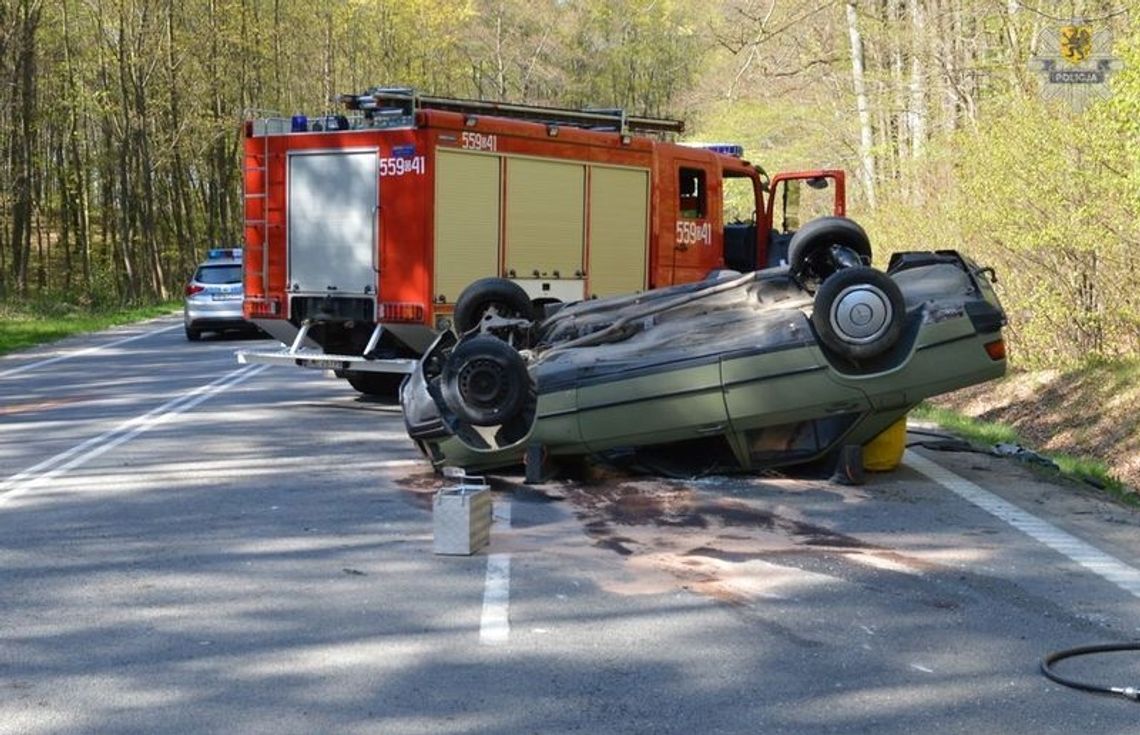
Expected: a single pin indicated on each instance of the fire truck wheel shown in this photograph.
(811, 254)
(484, 381)
(859, 312)
(381, 385)
(490, 296)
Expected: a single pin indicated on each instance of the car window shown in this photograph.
(218, 274)
(691, 185)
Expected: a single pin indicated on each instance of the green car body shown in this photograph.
(735, 370)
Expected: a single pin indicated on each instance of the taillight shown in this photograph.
(996, 349)
(193, 288)
(261, 307)
(401, 312)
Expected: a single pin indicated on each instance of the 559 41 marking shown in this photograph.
(402, 166)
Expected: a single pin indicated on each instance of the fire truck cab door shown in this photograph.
(695, 235)
(332, 206)
(797, 198)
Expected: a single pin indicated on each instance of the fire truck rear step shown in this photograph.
(295, 354)
(324, 361)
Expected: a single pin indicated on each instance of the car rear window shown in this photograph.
(218, 274)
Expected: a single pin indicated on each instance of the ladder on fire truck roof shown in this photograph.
(408, 101)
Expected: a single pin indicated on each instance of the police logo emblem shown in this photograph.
(1076, 43)
(1076, 63)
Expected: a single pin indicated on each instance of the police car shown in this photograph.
(214, 295)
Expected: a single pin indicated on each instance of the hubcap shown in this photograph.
(861, 314)
(481, 383)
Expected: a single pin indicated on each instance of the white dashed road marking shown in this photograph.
(495, 626)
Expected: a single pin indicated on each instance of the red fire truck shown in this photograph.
(362, 229)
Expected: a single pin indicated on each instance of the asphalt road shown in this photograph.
(187, 545)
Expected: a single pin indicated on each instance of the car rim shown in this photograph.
(496, 309)
(482, 383)
(861, 314)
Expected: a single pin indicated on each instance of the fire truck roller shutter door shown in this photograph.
(332, 221)
(546, 219)
(619, 230)
(467, 205)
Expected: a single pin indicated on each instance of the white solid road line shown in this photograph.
(1096, 561)
(85, 351)
(35, 476)
(495, 626)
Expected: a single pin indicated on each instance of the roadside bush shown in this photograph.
(1049, 200)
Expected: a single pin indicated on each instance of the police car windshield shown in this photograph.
(216, 274)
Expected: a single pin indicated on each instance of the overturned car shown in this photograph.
(742, 371)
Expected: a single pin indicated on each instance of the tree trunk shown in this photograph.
(24, 143)
(916, 110)
(127, 198)
(75, 161)
(866, 133)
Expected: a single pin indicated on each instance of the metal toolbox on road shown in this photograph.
(462, 518)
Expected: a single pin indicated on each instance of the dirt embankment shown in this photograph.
(1093, 412)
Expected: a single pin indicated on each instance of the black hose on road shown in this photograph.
(1132, 693)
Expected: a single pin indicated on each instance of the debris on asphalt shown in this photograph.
(1021, 454)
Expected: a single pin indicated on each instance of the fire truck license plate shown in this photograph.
(323, 364)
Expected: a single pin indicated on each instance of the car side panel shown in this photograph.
(779, 387)
(653, 409)
(557, 422)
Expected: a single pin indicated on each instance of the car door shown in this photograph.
(786, 404)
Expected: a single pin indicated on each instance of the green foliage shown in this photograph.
(1042, 195)
(776, 137)
(48, 319)
(636, 55)
(986, 433)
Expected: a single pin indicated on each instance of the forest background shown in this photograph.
(119, 125)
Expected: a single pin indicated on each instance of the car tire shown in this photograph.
(484, 381)
(810, 247)
(193, 335)
(859, 313)
(503, 297)
(380, 385)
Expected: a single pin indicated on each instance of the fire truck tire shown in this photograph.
(381, 385)
(485, 381)
(810, 248)
(859, 313)
(490, 295)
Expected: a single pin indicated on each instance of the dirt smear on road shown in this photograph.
(726, 548)
(637, 536)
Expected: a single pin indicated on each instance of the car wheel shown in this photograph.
(381, 385)
(491, 296)
(484, 381)
(193, 335)
(813, 250)
(859, 312)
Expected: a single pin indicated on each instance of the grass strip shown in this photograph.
(24, 326)
(1084, 469)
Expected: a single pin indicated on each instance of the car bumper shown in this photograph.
(208, 314)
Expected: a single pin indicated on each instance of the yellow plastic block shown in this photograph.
(885, 451)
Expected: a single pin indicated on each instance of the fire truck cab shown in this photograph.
(362, 229)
